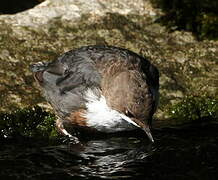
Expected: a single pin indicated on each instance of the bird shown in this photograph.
(102, 88)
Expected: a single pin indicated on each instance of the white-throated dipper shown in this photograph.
(105, 88)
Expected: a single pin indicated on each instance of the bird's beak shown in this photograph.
(143, 126)
(148, 132)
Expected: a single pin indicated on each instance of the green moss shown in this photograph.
(28, 122)
(208, 26)
(112, 28)
(195, 109)
(198, 16)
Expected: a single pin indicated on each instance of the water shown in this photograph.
(189, 152)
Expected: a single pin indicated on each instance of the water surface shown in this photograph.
(189, 152)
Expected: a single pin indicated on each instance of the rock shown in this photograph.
(187, 66)
(73, 10)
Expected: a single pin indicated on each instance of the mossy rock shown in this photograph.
(187, 67)
(208, 26)
(195, 109)
(198, 16)
(28, 122)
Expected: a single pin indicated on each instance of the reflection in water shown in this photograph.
(111, 157)
(177, 154)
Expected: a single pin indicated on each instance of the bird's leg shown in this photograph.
(62, 130)
(60, 127)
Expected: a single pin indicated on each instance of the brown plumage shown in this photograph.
(77, 118)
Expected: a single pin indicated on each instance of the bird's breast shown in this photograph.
(99, 116)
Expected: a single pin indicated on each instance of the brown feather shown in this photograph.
(77, 118)
(127, 91)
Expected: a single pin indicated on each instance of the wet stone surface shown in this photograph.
(178, 153)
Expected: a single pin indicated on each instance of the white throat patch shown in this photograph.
(102, 117)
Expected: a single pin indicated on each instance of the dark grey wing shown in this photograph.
(76, 71)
